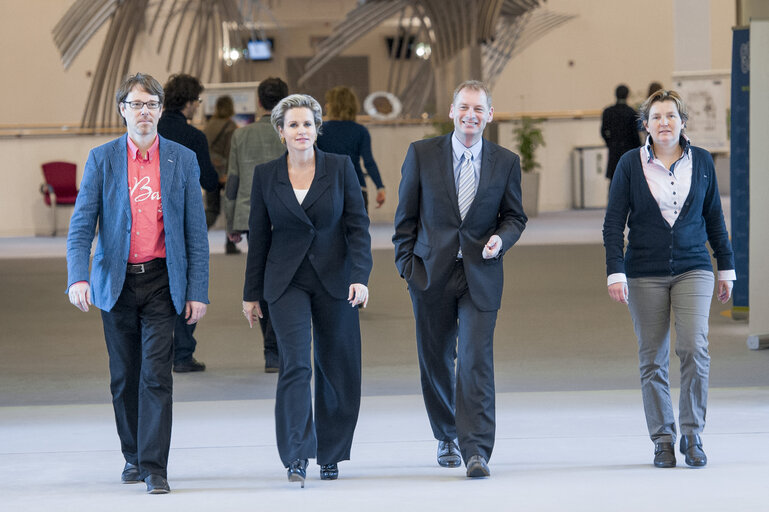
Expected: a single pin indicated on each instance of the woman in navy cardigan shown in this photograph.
(309, 257)
(666, 193)
(343, 136)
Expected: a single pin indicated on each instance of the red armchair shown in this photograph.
(60, 187)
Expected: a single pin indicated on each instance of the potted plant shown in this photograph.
(528, 136)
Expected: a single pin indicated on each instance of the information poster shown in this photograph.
(707, 98)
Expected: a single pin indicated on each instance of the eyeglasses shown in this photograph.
(138, 105)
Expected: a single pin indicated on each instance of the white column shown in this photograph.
(691, 38)
(759, 184)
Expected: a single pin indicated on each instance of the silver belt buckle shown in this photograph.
(141, 271)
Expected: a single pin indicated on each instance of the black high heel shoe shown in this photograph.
(329, 472)
(297, 471)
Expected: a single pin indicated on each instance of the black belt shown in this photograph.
(147, 266)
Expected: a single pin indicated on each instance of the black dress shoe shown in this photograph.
(157, 484)
(448, 454)
(329, 472)
(664, 455)
(297, 471)
(190, 365)
(130, 474)
(691, 447)
(477, 467)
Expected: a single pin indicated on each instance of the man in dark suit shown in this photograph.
(619, 129)
(150, 265)
(459, 211)
(180, 105)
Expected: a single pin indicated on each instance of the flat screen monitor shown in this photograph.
(260, 49)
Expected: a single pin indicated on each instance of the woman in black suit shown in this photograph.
(309, 257)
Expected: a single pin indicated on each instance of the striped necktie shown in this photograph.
(466, 187)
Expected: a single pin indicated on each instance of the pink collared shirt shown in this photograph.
(148, 239)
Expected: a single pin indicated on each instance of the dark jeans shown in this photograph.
(213, 206)
(184, 341)
(139, 335)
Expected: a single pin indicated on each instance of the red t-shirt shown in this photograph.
(148, 240)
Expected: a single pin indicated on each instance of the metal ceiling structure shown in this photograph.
(192, 32)
(502, 29)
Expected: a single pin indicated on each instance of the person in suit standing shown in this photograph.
(619, 129)
(182, 99)
(150, 265)
(459, 211)
(254, 144)
(309, 257)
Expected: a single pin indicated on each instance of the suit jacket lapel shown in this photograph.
(285, 191)
(445, 164)
(319, 183)
(487, 169)
(169, 162)
(118, 159)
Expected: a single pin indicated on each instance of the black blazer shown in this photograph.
(330, 228)
(429, 230)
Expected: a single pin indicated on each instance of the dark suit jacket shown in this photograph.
(330, 228)
(174, 126)
(619, 129)
(429, 230)
(104, 200)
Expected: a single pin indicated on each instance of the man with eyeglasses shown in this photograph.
(149, 266)
(182, 98)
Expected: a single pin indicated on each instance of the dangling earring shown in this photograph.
(282, 140)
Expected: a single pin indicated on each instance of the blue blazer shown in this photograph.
(429, 230)
(330, 228)
(104, 198)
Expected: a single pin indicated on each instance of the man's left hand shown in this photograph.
(492, 247)
(194, 311)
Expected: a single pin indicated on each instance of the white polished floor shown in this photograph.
(570, 430)
(571, 451)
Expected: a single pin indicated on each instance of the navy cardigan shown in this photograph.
(353, 139)
(654, 247)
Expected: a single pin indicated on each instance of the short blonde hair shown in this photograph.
(663, 95)
(278, 116)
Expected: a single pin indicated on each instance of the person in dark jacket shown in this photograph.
(343, 136)
(619, 129)
(666, 193)
(309, 257)
(180, 104)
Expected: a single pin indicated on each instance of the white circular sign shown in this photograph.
(382, 105)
